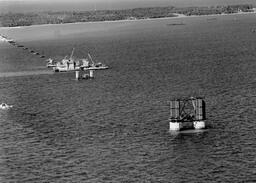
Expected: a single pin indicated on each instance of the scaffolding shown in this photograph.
(187, 110)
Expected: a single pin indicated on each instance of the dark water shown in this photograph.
(114, 128)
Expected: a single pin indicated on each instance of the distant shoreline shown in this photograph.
(116, 21)
(148, 19)
(137, 14)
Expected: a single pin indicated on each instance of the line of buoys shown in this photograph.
(12, 42)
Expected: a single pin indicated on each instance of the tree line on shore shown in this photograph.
(27, 19)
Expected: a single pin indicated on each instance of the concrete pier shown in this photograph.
(77, 75)
(175, 126)
(199, 124)
(91, 73)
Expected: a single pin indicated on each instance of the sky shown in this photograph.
(85, 5)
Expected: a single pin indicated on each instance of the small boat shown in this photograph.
(100, 67)
(5, 106)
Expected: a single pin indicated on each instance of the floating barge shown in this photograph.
(66, 65)
(187, 113)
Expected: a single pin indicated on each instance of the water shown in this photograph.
(114, 128)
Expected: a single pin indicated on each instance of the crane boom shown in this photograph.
(72, 53)
(91, 58)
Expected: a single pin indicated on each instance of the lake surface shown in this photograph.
(114, 128)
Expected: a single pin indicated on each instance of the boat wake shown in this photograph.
(25, 73)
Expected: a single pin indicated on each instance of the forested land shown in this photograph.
(27, 19)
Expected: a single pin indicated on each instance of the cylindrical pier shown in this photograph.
(77, 75)
(91, 73)
(199, 124)
(175, 126)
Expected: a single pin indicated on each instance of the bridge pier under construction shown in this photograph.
(187, 113)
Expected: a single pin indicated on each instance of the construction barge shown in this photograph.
(187, 113)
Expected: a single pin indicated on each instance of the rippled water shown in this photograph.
(114, 128)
